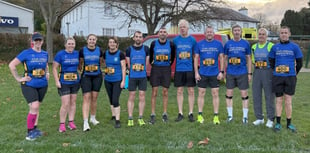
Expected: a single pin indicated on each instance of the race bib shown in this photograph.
(282, 69)
(208, 62)
(109, 70)
(137, 67)
(184, 55)
(38, 72)
(261, 64)
(234, 60)
(70, 76)
(91, 68)
(161, 58)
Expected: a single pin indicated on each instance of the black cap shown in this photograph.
(37, 36)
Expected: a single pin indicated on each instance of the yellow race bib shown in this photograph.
(208, 62)
(234, 60)
(38, 72)
(109, 70)
(137, 67)
(261, 64)
(91, 68)
(184, 55)
(282, 69)
(70, 76)
(161, 58)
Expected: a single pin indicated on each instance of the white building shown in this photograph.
(15, 19)
(222, 18)
(98, 17)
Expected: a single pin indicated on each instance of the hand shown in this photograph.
(220, 76)
(58, 84)
(122, 85)
(47, 75)
(249, 77)
(25, 79)
(197, 77)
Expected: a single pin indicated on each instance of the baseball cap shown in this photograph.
(37, 36)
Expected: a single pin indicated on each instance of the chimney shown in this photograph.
(243, 11)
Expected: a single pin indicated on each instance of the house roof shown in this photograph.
(19, 7)
(228, 14)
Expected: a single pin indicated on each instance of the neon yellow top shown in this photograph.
(270, 44)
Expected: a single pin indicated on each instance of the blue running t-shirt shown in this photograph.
(69, 63)
(285, 55)
(209, 52)
(236, 52)
(184, 53)
(34, 62)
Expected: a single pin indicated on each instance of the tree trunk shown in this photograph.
(49, 43)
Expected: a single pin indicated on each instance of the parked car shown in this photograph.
(149, 39)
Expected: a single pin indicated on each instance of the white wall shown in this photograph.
(25, 16)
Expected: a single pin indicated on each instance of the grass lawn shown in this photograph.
(158, 138)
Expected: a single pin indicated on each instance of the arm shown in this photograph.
(221, 74)
(197, 76)
(14, 72)
(147, 61)
(47, 74)
(249, 66)
(172, 52)
(123, 64)
(152, 52)
(55, 74)
(128, 62)
(298, 64)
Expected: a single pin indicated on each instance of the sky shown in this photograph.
(274, 9)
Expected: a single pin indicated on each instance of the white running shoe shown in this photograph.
(94, 121)
(86, 127)
(269, 124)
(258, 122)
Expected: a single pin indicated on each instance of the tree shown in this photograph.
(293, 20)
(155, 13)
(262, 18)
(50, 10)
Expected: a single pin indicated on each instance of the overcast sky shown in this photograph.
(274, 9)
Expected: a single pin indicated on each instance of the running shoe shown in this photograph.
(86, 127)
(292, 128)
(216, 120)
(141, 122)
(32, 135)
(179, 118)
(245, 120)
(117, 124)
(200, 119)
(229, 119)
(165, 118)
(71, 125)
(269, 123)
(277, 127)
(94, 121)
(152, 120)
(191, 117)
(62, 128)
(258, 122)
(130, 122)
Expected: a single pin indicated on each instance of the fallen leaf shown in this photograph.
(190, 145)
(20, 150)
(117, 151)
(304, 135)
(204, 142)
(44, 133)
(8, 99)
(65, 144)
(54, 116)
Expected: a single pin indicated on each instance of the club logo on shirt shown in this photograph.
(115, 59)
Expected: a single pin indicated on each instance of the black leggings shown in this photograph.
(114, 91)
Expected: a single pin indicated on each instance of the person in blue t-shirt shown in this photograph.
(286, 61)
(238, 61)
(209, 52)
(162, 53)
(137, 57)
(262, 79)
(91, 59)
(114, 79)
(34, 82)
(67, 81)
(184, 69)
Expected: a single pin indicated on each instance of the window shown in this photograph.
(107, 9)
(108, 31)
(245, 25)
(81, 11)
(233, 23)
(219, 25)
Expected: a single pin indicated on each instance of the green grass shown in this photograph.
(158, 138)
